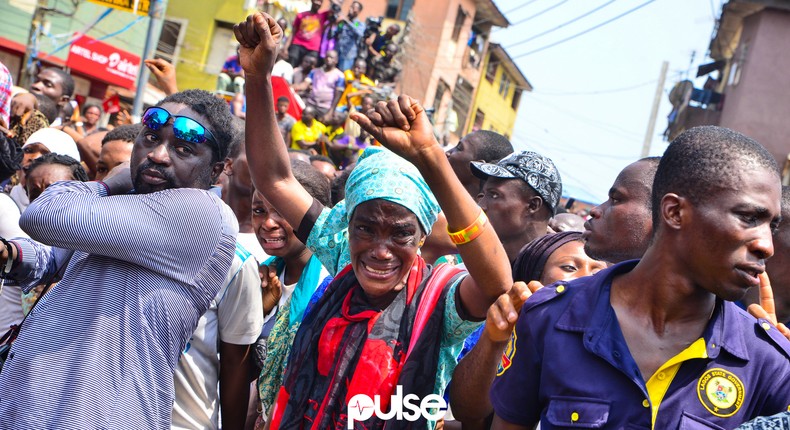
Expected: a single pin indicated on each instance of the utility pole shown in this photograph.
(156, 12)
(28, 74)
(651, 125)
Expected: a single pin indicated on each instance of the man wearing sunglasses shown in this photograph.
(141, 267)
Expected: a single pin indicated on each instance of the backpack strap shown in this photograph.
(440, 277)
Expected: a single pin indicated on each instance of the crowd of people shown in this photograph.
(196, 270)
(335, 64)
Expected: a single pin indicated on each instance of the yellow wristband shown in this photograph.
(470, 233)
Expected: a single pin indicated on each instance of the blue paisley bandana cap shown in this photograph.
(380, 174)
(536, 170)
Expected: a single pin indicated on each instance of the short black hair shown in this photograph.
(312, 180)
(786, 203)
(127, 133)
(338, 186)
(67, 82)
(237, 144)
(77, 172)
(491, 146)
(48, 107)
(704, 160)
(91, 105)
(649, 174)
(322, 158)
(215, 110)
(283, 99)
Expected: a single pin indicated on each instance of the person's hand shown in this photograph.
(271, 287)
(165, 74)
(119, 179)
(502, 315)
(402, 126)
(766, 309)
(259, 37)
(123, 118)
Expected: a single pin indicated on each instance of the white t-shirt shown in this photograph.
(234, 316)
(19, 196)
(250, 242)
(284, 69)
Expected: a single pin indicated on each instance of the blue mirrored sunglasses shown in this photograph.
(184, 128)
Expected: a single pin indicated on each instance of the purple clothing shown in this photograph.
(323, 86)
(232, 65)
(568, 365)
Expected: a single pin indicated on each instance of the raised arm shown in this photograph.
(403, 127)
(259, 37)
(132, 228)
(476, 371)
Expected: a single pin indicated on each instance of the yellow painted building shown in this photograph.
(498, 93)
(200, 37)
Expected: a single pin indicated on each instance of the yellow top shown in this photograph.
(658, 384)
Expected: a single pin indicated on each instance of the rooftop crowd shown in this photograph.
(197, 270)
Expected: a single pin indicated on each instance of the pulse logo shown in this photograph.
(409, 407)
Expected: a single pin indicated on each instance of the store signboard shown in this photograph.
(139, 7)
(104, 62)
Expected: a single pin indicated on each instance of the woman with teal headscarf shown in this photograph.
(387, 320)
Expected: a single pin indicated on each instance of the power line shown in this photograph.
(585, 31)
(539, 13)
(587, 93)
(610, 128)
(519, 7)
(561, 25)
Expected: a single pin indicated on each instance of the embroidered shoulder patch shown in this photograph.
(507, 356)
(721, 392)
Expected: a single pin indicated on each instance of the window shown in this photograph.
(398, 9)
(222, 47)
(479, 119)
(460, 18)
(516, 98)
(462, 99)
(491, 69)
(173, 31)
(441, 88)
(504, 85)
(477, 42)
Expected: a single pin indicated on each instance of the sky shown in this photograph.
(593, 95)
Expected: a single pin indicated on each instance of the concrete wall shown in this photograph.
(758, 101)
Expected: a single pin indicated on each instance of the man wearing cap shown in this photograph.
(519, 196)
(140, 269)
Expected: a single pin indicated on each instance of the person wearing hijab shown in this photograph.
(548, 259)
(39, 143)
(388, 319)
(555, 257)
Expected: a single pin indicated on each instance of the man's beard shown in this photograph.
(142, 187)
(202, 181)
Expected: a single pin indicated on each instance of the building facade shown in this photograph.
(498, 93)
(746, 87)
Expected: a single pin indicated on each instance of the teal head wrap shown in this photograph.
(380, 174)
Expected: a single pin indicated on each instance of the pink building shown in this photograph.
(750, 91)
(443, 48)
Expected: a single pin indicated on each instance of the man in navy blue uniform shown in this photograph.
(658, 344)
